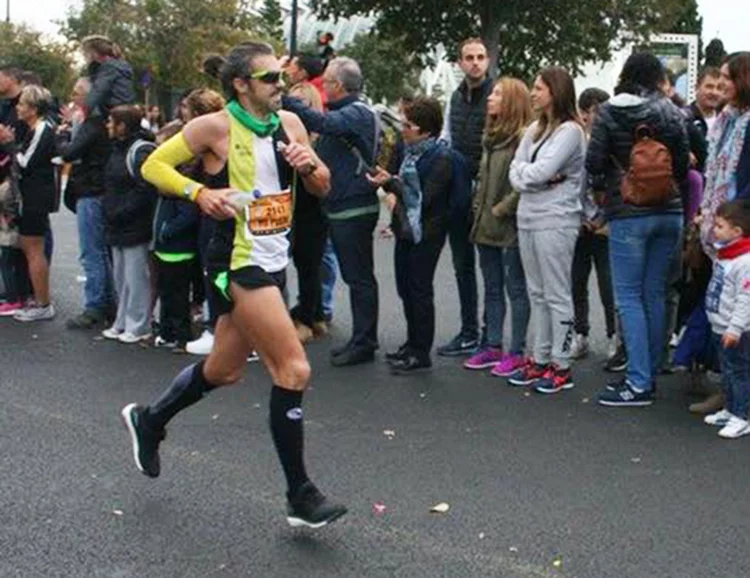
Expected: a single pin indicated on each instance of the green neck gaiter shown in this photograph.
(262, 128)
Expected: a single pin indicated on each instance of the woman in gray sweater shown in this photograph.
(548, 173)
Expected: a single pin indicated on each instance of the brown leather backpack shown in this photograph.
(649, 180)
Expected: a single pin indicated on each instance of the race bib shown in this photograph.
(270, 215)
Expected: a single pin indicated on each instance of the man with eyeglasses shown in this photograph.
(251, 156)
(463, 128)
(349, 135)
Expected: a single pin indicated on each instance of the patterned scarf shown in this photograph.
(412, 187)
(726, 140)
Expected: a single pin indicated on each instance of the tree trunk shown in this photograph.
(489, 26)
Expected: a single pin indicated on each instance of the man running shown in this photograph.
(252, 154)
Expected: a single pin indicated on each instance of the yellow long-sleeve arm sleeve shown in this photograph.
(159, 168)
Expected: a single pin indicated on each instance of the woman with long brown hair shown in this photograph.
(548, 173)
(495, 232)
(644, 237)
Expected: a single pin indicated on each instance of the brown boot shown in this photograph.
(304, 333)
(711, 404)
(320, 328)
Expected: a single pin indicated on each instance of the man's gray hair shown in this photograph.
(347, 72)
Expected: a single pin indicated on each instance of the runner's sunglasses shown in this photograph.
(269, 76)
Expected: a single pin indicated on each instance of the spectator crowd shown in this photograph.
(532, 183)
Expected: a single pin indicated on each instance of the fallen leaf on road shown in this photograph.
(118, 512)
(440, 508)
(379, 508)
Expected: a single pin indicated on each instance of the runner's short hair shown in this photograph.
(239, 64)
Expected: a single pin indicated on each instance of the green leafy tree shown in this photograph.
(271, 20)
(166, 40)
(27, 49)
(389, 69)
(522, 36)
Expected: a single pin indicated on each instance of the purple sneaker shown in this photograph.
(485, 358)
(508, 365)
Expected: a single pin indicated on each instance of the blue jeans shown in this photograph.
(735, 375)
(462, 252)
(502, 272)
(641, 251)
(329, 266)
(94, 256)
(353, 243)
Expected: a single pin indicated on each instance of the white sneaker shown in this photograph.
(720, 418)
(736, 427)
(201, 346)
(112, 333)
(253, 357)
(35, 313)
(612, 344)
(127, 337)
(580, 346)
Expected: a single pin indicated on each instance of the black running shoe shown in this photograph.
(401, 353)
(312, 509)
(618, 363)
(145, 441)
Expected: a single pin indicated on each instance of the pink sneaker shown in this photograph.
(508, 365)
(10, 309)
(485, 358)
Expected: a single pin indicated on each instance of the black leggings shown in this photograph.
(15, 274)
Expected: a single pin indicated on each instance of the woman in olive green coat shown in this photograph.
(495, 233)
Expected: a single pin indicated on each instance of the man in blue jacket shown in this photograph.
(349, 134)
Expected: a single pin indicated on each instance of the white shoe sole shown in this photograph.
(743, 432)
(126, 413)
(559, 389)
(488, 365)
(627, 404)
(295, 522)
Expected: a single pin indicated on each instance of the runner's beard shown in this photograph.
(274, 102)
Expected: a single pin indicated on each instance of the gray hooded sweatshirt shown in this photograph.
(558, 158)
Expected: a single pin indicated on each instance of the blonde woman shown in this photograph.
(37, 196)
(495, 232)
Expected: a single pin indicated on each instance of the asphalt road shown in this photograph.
(537, 486)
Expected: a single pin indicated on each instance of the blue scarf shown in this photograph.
(409, 175)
